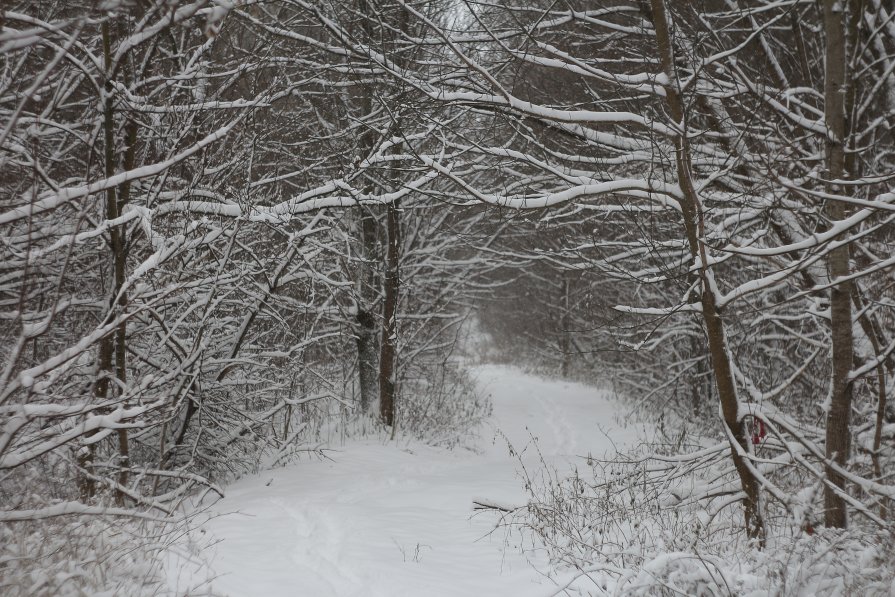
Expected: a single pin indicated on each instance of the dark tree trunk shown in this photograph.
(367, 338)
(388, 354)
(839, 413)
(565, 324)
(712, 318)
(367, 358)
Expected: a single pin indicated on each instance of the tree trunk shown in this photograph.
(367, 340)
(112, 359)
(839, 413)
(388, 354)
(565, 324)
(367, 358)
(712, 318)
(114, 203)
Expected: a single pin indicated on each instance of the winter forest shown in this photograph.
(447, 297)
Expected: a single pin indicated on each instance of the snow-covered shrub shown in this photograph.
(83, 555)
(439, 405)
(633, 525)
(52, 545)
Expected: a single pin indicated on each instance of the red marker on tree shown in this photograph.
(758, 432)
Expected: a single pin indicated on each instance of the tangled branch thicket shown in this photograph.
(225, 224)
(656, 522)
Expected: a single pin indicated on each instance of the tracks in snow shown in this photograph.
(382, 521)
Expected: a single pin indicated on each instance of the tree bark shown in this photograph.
(367, 358)
(388, 354)
(713, 321)
(112, 359)
(366, 337)
(565, 324)
(367, 340)
(838, 438)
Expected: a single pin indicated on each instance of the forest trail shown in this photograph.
(396, 519)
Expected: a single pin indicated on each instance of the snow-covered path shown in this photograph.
(393, 520)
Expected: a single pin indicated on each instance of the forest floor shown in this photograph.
(397, 518)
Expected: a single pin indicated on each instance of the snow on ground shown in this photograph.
(395, 519)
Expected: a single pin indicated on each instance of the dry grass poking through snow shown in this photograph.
(626, 527)
(83, 555)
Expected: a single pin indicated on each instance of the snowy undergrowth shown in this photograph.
(76, 556)
(437, 406)
(443, 409)
(398, 518)
(610, 529)
(95, 555)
